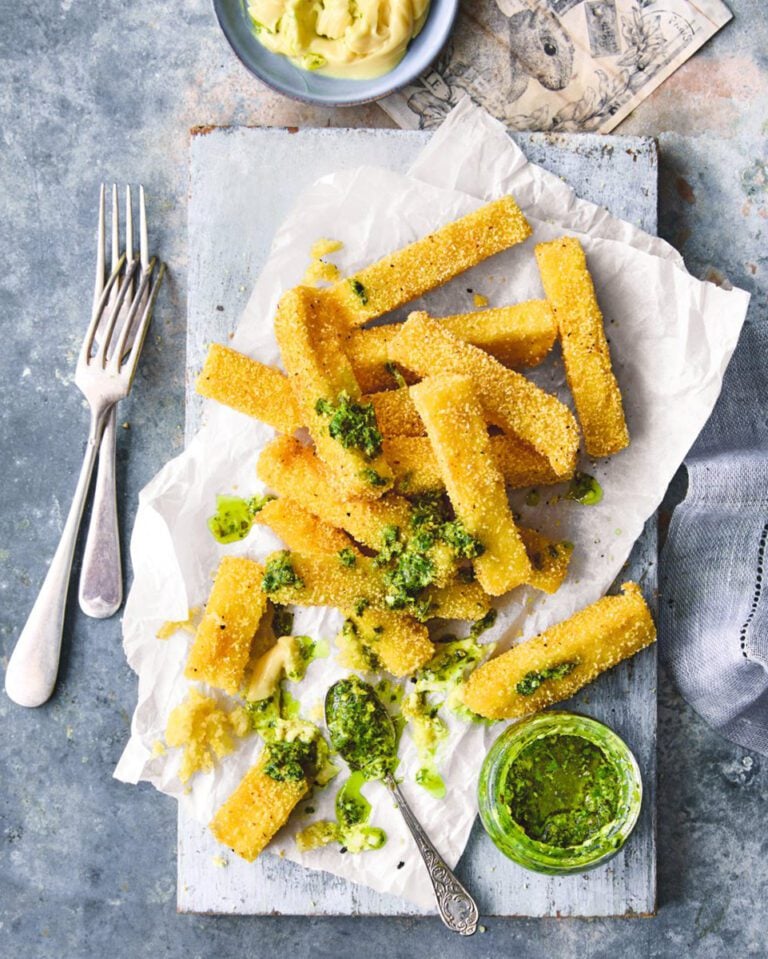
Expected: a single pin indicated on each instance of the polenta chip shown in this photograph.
(509, 400)
(222, 644)
(558, 662)
(344, 429)
(434, 259)
(457, 431)
(587, 359)
(301, 530)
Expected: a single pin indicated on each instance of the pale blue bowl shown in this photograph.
(279, 73)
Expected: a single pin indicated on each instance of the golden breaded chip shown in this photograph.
(416, 471)
(457, 431)
(301, 530)
(558, 662)
(396, 642)
(549, 558)
(395, 413)
(249, 387)
(293, 470)
(510, 401)
(314, 580)
(586, 356)
(459, 600)
(519, 336)
(324, 385)
(408, 273)
(257, 809)
(222, 644)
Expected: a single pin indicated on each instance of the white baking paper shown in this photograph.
(671, 338)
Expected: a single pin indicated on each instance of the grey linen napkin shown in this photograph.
(713, 610)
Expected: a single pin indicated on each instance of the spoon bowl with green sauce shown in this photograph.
(559, 793)
(363, 734)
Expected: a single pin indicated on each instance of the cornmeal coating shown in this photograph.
(320, 373)
(395, 413)
(416, 471)
(549, 558)
(436, 258)
(301, 530)
(573, 653)
(457, 431)
(293, 470)
(249, 387)
(459, 600)
(587, 359)
(257, 809)
(326, 581)
(398, 643)
(509, 400)
(518, 336)
(222, 644)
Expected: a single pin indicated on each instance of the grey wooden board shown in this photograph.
(228, 243)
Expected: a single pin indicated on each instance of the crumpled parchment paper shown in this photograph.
(671, 338)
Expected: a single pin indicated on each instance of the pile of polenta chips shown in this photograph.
(395, 449)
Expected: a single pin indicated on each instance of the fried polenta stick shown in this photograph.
(293, 470)
(314, 580)
(457, 431)
(558, 662)
(549, 558)
(301, 530)
(416, 471)
(429, 262)
(345, 433)
(587, 359)
(257, 809)
(249, 387)
(510, 401)
(396, 642)
(519, 336)
(395, 413)
(222, 644)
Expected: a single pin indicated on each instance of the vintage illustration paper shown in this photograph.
(559, 65)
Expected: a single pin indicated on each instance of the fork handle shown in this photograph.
(101, 577)
(34, 664)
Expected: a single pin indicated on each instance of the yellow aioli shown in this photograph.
(354, 39)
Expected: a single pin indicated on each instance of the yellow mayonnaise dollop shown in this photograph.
(356, 39)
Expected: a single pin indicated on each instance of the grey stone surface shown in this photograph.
(87, 866)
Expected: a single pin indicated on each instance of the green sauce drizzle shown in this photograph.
(585, 489)
(351, 829)
(360, 728)
(347, 557)
(562, 790)
(531, 681)
(352, 424)
(360, 291)
(235, 516)
(279, 573)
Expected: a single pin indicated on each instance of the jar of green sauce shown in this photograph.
(559, 793)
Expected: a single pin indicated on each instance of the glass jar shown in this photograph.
(511, 838)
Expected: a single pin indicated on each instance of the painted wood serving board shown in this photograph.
(228, 243)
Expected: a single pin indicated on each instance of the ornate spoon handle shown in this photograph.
(457, 908)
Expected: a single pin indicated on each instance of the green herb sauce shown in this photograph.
(360, 728)
(282, 621)
(352, 424)
(360, 291)
(562, 790)
(235, 516)
(350, 830)
(279, 573)
(347, 557)
(531, 681)
(585, 489)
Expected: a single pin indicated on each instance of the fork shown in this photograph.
(104, 375)
(101, 576)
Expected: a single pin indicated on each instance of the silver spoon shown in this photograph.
(353, 709)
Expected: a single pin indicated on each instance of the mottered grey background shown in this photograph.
(102, 90)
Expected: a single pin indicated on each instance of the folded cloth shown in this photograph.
(713, 611)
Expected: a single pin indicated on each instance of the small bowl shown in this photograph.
(511, 839)
(279, 73)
